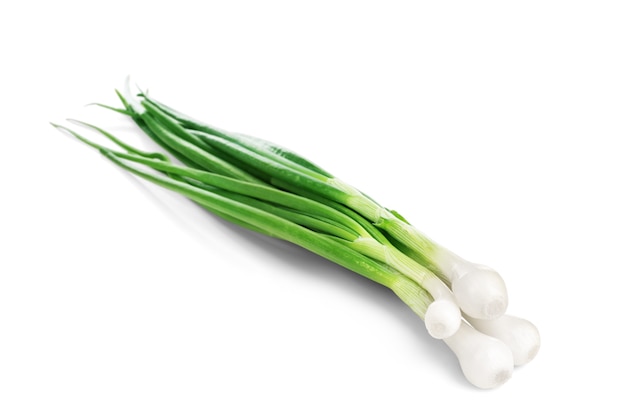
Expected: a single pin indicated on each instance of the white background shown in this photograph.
(496, 127)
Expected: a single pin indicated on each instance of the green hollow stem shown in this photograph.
(298, 209)
(269, 149)
(196, 154)
(288, 168)
(417, 297)
(276, 167)
(278, 221)
(266, 218)
(248, 153)
(413, 295)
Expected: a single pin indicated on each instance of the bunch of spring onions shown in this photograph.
(268, 189)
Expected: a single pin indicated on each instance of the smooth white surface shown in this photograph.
(495, 127)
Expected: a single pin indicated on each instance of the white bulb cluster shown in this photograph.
(489, 343)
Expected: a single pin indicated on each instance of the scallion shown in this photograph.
(273, 191)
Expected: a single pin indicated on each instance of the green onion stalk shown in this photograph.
(479, 291)
(240, 157)
(317, 227)
(268, 189)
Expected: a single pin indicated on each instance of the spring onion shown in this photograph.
(273, 191)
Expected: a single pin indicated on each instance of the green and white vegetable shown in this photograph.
(266, 188)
